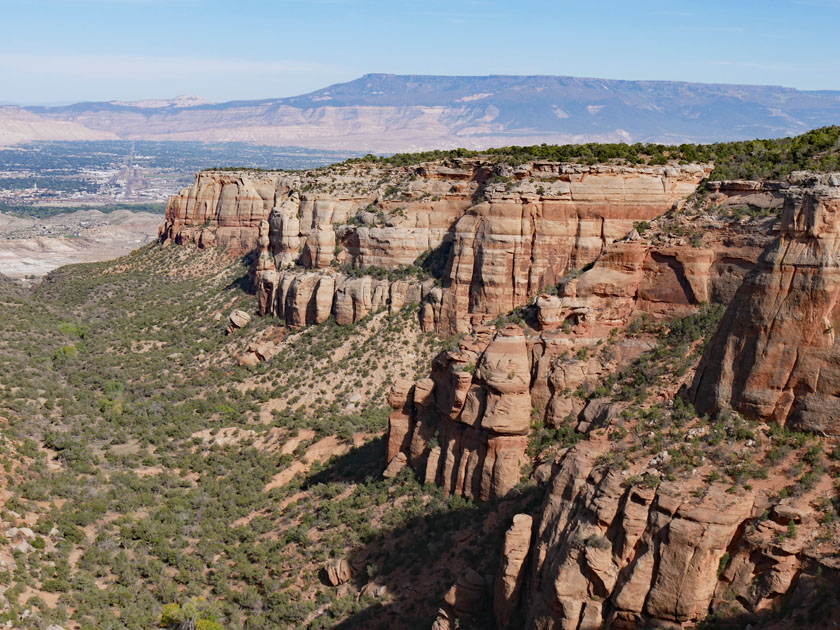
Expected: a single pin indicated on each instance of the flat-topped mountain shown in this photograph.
(18, 126)
(383, 112)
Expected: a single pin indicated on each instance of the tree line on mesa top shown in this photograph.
(817, 150)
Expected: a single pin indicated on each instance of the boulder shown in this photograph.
(467, 596)
(395, 466)
(238, 319)
(337, 572)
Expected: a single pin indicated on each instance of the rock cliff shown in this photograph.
(606, 551)
(466, 427)
(645, 543)
(775, 355)
(560, 287)
(493, 234)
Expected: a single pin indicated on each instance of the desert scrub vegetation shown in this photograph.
(334, 379)
(657, 428)
(677, 350)
(818, 149)
(149, 464)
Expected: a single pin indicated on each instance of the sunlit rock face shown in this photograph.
(775, 356)
(497, 235)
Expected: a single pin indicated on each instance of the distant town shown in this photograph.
(47, 178)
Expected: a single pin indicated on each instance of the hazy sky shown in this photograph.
(55, 51)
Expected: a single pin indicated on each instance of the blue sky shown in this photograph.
(58, 51)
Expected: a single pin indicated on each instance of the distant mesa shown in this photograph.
(394, 113)
(182, 101)
(18, 126)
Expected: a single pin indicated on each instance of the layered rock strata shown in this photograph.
(635, 276)
(776, 356)
(468, 431)
(497, 234)
(748, 194)
(510, 247)
(304, 298)
(466, 427)
(609, 553)
(221, 208)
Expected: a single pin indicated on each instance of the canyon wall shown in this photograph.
(222, 208)
(535, 268)
(466, 426)
(776, 354)
(607, 553)
(607, 549)
(494, 235)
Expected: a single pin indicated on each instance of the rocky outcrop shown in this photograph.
(237, 319)
(467, 596)
(337, 572)
(221, 208)
(512, 570)
(513, 245)
(608, 552)
(469, 432)
(496, 235)
(775, 356)
(635, 276)
(304, 298)
(400, 398)
(471, 438)
(747, 194)
(609, 547)
(466, 428)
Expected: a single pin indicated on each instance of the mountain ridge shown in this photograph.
(389, 113)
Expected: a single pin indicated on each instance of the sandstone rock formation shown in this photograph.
(221, 208)
(515, 244)
(303, 298)
(605, 549)
(470, 431)
(467, 596)
(337, 572)
(466, 428)
(395, 466)
(635, 276)
(238, 319)
(607, 552)
(497, 234)
(775, 355)
(512, 570)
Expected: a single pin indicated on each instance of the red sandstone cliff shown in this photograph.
(604, 548)
(775, 357)
(501, 234)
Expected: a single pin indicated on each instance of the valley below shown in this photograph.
(32, 247)
(531, 388)
(70, 202)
